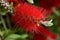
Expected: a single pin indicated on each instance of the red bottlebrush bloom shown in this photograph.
(48, 4)
(25, 16)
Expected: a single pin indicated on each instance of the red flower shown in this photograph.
(28, 16)
(48, 4)
(25, 16)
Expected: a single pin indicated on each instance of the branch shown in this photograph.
(3, 22)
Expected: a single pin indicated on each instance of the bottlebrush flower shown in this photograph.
(48, 4)
(27, 16)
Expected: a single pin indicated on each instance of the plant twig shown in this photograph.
(3, 22)
(8, 21)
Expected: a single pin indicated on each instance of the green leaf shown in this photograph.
(24, 36)
(4, 13)
(1, 33)
(7, 33)
(15, 36)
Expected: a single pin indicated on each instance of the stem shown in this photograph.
(8, 21)
(3, 22)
